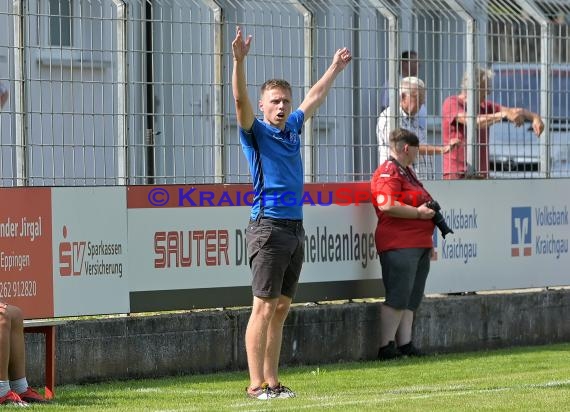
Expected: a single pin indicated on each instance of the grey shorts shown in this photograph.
(275, 248)
(404, 273)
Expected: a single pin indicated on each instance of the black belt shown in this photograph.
(293, 223)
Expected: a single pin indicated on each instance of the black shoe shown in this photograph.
(410, 350)
(389, 351)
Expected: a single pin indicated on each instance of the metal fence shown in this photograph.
(107, 92)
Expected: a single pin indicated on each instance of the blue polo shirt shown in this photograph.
(274, 158)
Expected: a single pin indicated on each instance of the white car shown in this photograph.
(514, 152)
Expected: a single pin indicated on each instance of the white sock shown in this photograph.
(4, 388)
(19, 385)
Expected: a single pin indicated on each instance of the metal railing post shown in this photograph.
(470, 69)
(219, 136)
(393, 58)
(122, 178)
(22, 173)
(308, 135)
(545, 81)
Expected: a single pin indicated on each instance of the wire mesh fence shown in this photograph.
(112, 92)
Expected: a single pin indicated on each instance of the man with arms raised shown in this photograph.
(275, 234)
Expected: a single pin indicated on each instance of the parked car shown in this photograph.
(514, 152)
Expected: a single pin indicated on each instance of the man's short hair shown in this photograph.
(276, 84)
(409, 84)
(409, 55)
(401, 137)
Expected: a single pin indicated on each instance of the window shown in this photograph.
(60, 23)
(72, 33)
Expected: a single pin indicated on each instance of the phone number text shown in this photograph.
(18, 288)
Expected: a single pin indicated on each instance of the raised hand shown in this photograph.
(240, 47)
(342, 57)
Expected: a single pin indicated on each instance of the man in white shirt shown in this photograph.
(409, 67)
(410, 117)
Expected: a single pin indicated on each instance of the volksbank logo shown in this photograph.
(521, 231)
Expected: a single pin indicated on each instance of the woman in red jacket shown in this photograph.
(404, 242)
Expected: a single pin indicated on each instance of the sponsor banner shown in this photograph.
(508, 234)
(26, 250)
(339, 243)
(90, 253)
(63, 251)
(197, 245)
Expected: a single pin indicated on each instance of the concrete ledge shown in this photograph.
(209, 341)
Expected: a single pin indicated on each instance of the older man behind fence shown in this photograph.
(412, 97)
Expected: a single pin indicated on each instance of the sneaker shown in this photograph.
(12, 398)
(280, 391)
(410, 350)
(31, 396)
(389, 351)
(261, 392)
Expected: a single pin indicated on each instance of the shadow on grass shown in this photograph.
(434, 358)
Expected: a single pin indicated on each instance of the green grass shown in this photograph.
(520, 379)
